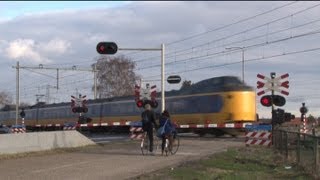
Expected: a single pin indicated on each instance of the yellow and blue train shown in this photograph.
(214, 105)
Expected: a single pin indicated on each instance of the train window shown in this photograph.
(130, 108)
(198, 104)
(62, 112)
(39, 114)
(92, 109)
(12, 115)
(30, 114)
(45, 114)
(105, 109)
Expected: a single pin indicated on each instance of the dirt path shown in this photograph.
(120, 160)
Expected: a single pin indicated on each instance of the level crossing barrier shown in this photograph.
(69, 126)
(258, 135)
(136, 131)
(18, 129)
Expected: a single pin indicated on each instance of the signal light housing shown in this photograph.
(303, 109)
(154, 104)
(142, 103)
(266, 101)
(289, 116)
(278, 116)
(275, 99)
(79, 109)
(279, 100)
(107, 48)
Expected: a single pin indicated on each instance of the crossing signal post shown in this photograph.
(146, 96)
(274, 84)
(303, 111)
(79, 105)
(22, 115)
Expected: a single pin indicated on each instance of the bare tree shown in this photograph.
(311, 119)
(116, 76)
(186, 84)
(5, 98)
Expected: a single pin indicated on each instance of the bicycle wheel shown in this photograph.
(144, 144)
(166, 147)
(175, 144)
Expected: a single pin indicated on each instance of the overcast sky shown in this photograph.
(276, 36)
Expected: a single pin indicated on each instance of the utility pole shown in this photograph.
(48, 93)
(273, 75)
(242, 50)
(17, 93)
(95, 80)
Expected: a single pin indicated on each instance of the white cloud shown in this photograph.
(57, 46)
(24, 49)
(29, 50)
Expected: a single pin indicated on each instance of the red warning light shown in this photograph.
(266, 100)
(101, 48)
(139, 103)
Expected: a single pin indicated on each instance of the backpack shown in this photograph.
(161, 131)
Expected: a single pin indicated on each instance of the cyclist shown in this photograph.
(148, 123)
(168, 130)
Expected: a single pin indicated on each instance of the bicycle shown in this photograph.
(174, 146)
(144, 145)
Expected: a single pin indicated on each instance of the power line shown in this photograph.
(230, 51)
(231, 24)
(235, 34)
(253, 38)
(248, 60)
(223, 27)
(217, 52)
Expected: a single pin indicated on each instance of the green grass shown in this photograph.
(240, 164)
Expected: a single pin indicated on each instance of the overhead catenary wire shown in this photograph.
(217, 53)
(219, 28)
(235, 34)
(231, 51)
(247, 60)
(231, 24)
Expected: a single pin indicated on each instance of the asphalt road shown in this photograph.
(111, 160)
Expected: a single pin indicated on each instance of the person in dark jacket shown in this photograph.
(169, 129)
(148, 123)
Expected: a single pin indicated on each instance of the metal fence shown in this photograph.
(304, 149)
